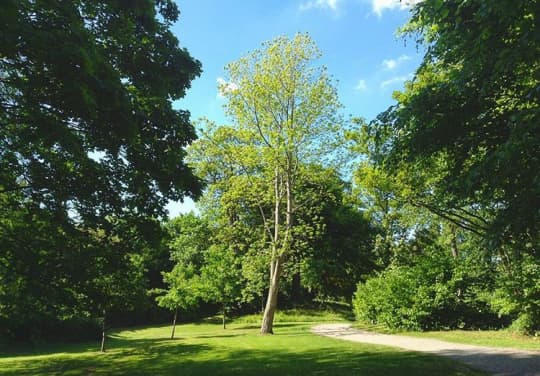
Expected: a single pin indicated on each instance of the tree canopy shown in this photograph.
(88, 125)
(472, 111)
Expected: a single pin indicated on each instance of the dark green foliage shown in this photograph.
(87, 120)
(37, 284)
(435, 292)
(90, 151)
(55, 277)
(517, 294)
(335, 239)
(475, 104)
(463, 137)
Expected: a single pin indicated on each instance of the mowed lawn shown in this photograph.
(207, 349)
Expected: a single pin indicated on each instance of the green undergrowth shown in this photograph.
(302, 315)
(492, 338)
(207, 349)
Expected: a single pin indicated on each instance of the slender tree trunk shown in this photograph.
(267, 326)
(103, 331)
(282, 244)
(275, 265)
(174, 322)
(224, 313)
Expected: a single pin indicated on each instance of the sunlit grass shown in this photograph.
(207, 349)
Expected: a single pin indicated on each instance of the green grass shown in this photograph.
(492, 338)
(206, 349)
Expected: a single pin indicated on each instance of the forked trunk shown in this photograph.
(174, 323)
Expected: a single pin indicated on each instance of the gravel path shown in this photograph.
(496, 361)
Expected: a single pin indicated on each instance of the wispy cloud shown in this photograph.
(225, 87)
(391, 64)
(395, 80)
(379, 6)
(361, 85)
(320, 4)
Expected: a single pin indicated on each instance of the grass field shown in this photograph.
(492, 338)
(207, 349)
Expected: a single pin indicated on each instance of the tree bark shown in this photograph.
(103, 332)
(271, 300)
(174, 322)
(267, 326)
(282, 244)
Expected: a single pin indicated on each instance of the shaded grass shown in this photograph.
(206, 349)
(492, 338)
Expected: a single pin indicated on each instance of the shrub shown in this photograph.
(423, 296)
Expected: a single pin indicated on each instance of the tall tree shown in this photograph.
(284, 112)
(87, 134)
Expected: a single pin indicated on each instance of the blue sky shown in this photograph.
(357, 39)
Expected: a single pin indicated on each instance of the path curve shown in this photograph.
(496, 361)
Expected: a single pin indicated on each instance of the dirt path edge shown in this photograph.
(495, 361)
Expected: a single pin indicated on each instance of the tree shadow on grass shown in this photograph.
(324, 362)
(138, 356)
(47, 349)
(166, 357)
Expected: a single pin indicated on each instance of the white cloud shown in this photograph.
(380, 5)
(320, 4)
(225, 87)
(361, 85)
(391, 64)
(396, 80)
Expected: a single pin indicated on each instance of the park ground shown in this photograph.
(206, 349)
(495, 361)
(504, 338)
